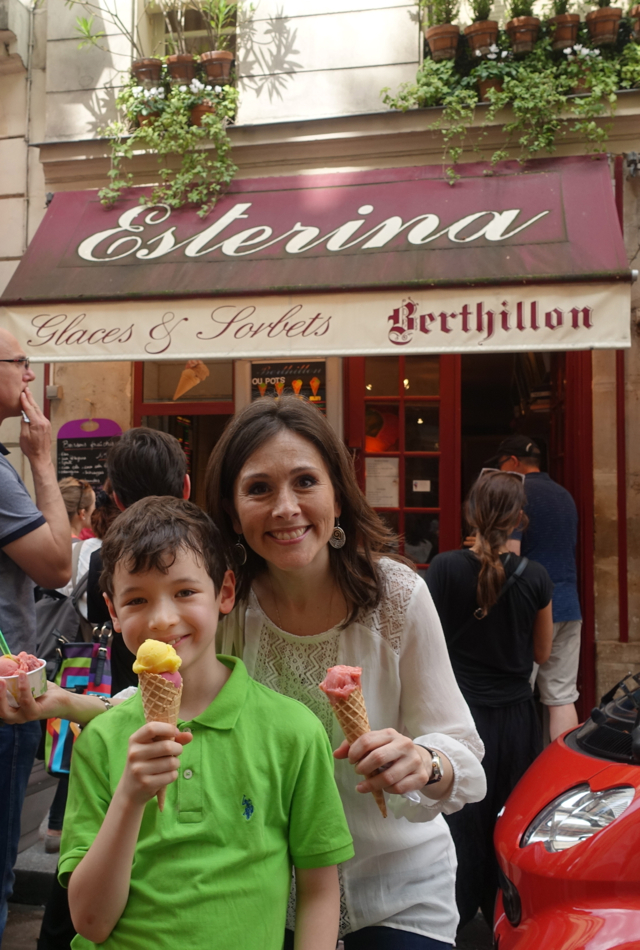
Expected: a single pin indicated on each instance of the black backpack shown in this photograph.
(58, 619)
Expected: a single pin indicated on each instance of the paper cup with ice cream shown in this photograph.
(35, 669)
(157, 665)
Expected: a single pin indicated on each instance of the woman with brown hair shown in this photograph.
(495, 610)
(316, 589)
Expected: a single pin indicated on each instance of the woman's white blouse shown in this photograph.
(403, 872)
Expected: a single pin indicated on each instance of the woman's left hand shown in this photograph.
(400, 765)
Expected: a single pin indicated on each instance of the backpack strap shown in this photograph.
(505, 587)
(76, 548)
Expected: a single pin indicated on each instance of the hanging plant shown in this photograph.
(168, 132)
(540, 90)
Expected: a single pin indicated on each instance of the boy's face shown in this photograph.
(179, 607)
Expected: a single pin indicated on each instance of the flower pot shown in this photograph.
(583, 86)
(603, 25)
(484, 85)
(565, 30)
(217, 64)
(202, 109)
(443, 40)
(147, 119)
(634, 16)
(523, 33)
(482, 35)
(182, 67)
(147, 71)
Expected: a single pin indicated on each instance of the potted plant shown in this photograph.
(146, 70)
(143, 104)
(523, 26)
(634, 16)
(491, 72)
(563, 25)
(441, 33)
(603, 23)
(483, 32)
(189, 172)
(181, 64)
(220, 17)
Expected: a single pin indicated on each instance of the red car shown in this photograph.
(568, 839)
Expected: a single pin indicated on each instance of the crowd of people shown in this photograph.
(290, 572)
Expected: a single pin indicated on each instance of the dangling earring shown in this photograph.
(241, 551)
(338, 537)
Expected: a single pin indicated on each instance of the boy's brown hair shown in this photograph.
(149, 535)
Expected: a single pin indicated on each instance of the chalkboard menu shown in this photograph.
(82, 449)
(304, 379)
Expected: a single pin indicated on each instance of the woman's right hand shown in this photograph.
(56, 703)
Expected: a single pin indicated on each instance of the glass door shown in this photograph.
(403, 425)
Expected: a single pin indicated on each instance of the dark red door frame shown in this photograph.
(578, 479)
(621, 448)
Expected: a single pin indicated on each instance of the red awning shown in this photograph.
(369, 237)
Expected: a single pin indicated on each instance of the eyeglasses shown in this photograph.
(24, 360)
(498, 471)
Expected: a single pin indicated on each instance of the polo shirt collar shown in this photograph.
(3, 449)
(224, 710)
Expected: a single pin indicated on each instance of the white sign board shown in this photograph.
(578, 316)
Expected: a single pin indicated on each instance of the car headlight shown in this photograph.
(576, 815)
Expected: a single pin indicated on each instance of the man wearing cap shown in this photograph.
(550, 539)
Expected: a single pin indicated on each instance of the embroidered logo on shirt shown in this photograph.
(247, 807)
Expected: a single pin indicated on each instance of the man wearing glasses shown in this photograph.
(35, 548)
(550, 539)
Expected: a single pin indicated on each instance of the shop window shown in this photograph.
(179, 382)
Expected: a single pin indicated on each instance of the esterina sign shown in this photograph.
(334, 265)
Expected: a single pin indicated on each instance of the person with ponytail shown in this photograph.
(495, 609)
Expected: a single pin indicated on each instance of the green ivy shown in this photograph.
(551, 94)
(190, 170)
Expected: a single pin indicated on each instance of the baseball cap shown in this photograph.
(519, 445)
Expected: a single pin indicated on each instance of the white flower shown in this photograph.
(567, 51)
(217, 88)
(491, 56)
(505, 53)
(196, 85)
(137, 91)
(478, 52)
(493, 48)
(160, 93)
(183, 88)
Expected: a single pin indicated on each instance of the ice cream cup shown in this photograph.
(36, 679)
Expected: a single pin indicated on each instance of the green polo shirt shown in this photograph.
(255, 794)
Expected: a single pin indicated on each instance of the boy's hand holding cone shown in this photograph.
(157, 666)
(343, 690)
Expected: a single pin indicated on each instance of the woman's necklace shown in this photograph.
(275, 604)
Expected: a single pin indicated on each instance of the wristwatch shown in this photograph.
(436, 766)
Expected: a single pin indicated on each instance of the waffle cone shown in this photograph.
(188, 379)
(161, 703)
(351, 713)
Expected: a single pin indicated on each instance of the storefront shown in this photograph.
(427, 320)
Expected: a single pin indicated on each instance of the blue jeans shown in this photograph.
(382, 938)
(18, 745)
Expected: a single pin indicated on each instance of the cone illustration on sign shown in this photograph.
(343, 690)
(296, 385)
(262, 389)
(157, 666)
(279, 388)
(193, 373)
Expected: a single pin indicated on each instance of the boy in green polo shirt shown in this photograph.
(248, 774)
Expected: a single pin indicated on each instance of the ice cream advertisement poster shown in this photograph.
(306, 380)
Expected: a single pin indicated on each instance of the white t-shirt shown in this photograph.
(403, 872)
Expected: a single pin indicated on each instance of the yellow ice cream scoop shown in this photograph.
(154, 656)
